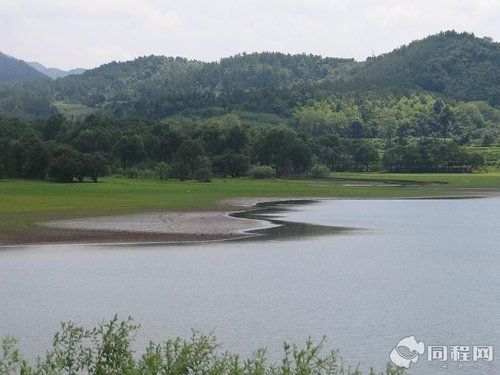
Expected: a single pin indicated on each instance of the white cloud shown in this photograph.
(71, 33)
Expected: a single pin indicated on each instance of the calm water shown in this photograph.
(428, 268)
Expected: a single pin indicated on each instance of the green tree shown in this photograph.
(36, 159)
(94, 165)
(364, 155)
(188, 158)
(162, 170)
(65, 163)
(129, 149)
(283, 149)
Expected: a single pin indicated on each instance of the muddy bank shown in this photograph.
(250, 218)
(45, 235)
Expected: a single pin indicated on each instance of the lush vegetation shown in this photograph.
(107, 349)
(430, 106)
(455, 66)
(459, 66)
(289, 113)
(419, 133)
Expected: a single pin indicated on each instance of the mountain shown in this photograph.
(159, 75)
(458, 65)
(55, 72)
(451, 65)
(12, 69)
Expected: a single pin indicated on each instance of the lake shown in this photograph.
(389, 269)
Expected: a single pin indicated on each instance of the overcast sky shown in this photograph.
(87, 33)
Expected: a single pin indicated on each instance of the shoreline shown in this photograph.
(167, 227)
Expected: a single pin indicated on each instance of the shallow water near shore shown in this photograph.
(377, 271)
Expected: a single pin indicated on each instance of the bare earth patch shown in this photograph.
(45, 235)
(145, 227)
(202, 222)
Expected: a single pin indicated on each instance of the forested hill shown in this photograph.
(450, 65)
(460, 66)
(12, 69)
(158, 79)
(263, 114)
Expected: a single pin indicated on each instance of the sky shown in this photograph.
(87, 33)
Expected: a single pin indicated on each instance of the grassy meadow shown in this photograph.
(73, 111)
(24, 202)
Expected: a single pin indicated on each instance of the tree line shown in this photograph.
(197, 148)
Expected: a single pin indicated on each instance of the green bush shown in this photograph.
(262, 171)
(107, 349)
(131, 173)
(162, 170)
(320, 171)
(203, 174)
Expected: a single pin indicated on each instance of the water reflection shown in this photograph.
(285, 230)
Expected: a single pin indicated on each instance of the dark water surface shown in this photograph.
(429, 268)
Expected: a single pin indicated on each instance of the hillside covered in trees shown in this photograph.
(455, 66)
(458, 66)
(12, 70)
(412, 110)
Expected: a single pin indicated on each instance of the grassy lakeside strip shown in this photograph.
(115, 195)
(21, 200)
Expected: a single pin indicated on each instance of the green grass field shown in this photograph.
(73, 111)
(25, 202)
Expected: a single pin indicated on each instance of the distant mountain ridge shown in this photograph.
(55, 73)
(12, 70)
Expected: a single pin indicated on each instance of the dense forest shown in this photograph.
(333, 135)
(415, 109)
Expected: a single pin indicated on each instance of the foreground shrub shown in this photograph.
(262, 171)
(107, 349)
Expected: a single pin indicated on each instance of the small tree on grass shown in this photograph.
(162, 170)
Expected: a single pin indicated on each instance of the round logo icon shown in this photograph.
(412, 349)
